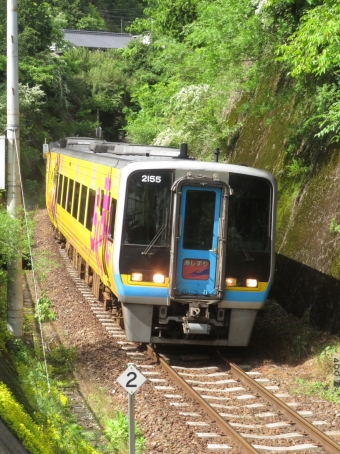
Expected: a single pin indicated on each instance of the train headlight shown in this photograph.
(230, 282)
(137, 277)
(159, 278)
(251, 283)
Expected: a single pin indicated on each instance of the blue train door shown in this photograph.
(198, 237)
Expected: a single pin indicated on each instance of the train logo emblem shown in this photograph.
(196, 269)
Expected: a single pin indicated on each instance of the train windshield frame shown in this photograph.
(147, 214)
(249, 214)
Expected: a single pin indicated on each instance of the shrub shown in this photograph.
(12, 413)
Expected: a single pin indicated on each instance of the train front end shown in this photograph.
(196, 245)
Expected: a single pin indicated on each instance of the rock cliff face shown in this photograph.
(307, 280)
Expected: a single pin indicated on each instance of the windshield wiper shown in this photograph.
(240, 243)
(154, 239)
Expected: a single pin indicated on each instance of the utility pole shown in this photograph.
(15, 306)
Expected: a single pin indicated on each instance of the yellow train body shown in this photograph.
(92, 244)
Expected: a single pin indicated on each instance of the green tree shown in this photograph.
(311, 55)
(35, 28)
(193, 71)
(92, 21)
(314, 47)
(167, 17)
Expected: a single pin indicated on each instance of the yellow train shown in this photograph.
(182, 249)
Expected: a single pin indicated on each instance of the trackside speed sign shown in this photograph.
(131, 379)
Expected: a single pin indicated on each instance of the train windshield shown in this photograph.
(147, 212)
(249, 214)
(199, 220)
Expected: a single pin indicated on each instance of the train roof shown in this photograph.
(133, 152)
(114, 154)
(120, 154)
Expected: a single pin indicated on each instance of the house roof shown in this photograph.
(97, 40)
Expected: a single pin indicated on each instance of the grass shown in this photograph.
(116, 430)
(322, 355)
(43, 309)
(325, 391)
(110, 418)
(62, 359)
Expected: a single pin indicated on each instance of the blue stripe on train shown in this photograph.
(256, 297)
(156, 292)
(136, 290)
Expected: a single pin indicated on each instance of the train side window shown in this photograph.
(90, 209)
(70, 196)
(63, 202)
(60, 188)
(112, 218)
(83, 196)
(101, 201)
(76, 199)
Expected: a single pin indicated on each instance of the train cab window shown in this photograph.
(90, 209)
(249, 214)
(147, 210)
(83, 196)
(112, 218)
(69, 196)
(65, 190)
(60, 188)
(199, 220)
(76, 200)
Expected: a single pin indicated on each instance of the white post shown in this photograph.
(2, 162)
(131, 411)
(15, 309)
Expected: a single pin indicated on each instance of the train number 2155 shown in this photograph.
(151, 178)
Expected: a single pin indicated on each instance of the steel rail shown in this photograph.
(242, 443)
(313, 432)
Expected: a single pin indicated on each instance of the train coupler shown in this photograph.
(196, 328)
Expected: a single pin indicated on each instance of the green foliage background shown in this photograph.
(195, 67)
(257, 78)
(199, 71)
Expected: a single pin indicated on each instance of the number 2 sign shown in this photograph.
(131, 379)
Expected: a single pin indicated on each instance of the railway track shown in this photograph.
(222, 395)
(249, 413)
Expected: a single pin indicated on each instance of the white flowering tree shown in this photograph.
(191, 118)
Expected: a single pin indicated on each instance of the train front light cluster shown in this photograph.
(233, 282)
(157, 278)
(230, 282)
(137, 277)
(252, 283)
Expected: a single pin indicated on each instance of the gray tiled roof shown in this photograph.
(97, 40)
